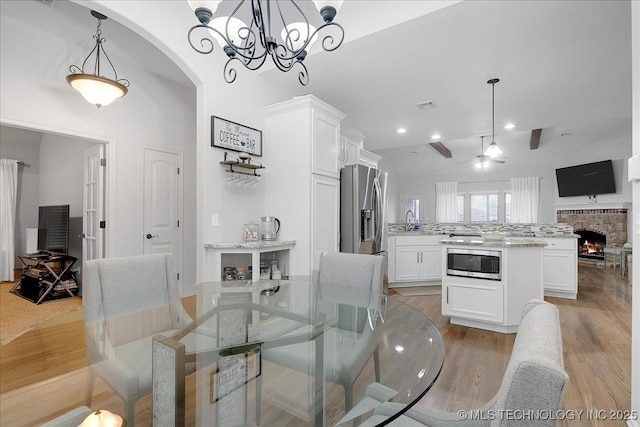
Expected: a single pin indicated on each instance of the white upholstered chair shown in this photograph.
(534, 383)
(126, 302)
(358, 341)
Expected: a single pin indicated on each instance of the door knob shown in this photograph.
(149, 236)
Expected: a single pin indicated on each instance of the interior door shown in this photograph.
(93, 203)
(161, 197)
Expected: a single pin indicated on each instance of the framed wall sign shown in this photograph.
(234, 136)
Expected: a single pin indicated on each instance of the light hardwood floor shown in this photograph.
(596, 336)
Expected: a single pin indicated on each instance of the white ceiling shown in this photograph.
(564, 66)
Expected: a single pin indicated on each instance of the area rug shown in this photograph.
(18, 315)
(412, 291)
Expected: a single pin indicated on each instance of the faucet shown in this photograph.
(408, 226)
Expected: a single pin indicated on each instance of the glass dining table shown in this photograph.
(292, 352)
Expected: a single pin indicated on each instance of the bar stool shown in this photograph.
(617, 253)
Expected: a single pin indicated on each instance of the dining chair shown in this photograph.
(358, 342)
(533, 384)
(126, 302)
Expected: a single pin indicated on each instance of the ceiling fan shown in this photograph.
(483, 160)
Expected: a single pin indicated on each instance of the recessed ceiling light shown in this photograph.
(509, 126)
(436, 136)
(401, 130)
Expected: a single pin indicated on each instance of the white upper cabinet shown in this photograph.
(352, 150)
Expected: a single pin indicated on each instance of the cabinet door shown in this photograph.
(559, 272)
(473, 299)
(325, 143)
(325, 221)
(407, 263)
(431, 263)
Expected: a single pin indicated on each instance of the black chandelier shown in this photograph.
(251, 44)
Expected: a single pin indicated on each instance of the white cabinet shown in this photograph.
(560, 267)
(352, 150)
(414, 258)
(494, 305)
(302, 189)
(368, 158)
(473, 299)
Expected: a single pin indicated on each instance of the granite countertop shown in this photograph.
(434, 233)
(259, 244)
(507, 242)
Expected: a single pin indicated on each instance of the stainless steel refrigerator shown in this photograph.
(363, 221)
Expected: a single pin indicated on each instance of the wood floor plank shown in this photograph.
(596, 332)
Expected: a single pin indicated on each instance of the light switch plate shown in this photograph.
(214, 219)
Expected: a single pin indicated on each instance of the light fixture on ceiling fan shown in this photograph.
(95, 87)
(483, 160)
(493, 150)
(250, 44)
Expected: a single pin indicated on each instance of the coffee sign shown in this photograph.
(236, 137)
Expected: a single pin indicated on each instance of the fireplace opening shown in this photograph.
(591, 244)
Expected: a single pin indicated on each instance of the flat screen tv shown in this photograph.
(53, 228)
(586, 180)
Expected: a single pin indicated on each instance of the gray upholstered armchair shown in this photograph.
(534, 383)
(126, 302)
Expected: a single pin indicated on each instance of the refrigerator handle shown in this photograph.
(378, 207)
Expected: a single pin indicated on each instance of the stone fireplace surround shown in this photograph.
(612, 223)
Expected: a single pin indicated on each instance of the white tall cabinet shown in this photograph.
(302, 183)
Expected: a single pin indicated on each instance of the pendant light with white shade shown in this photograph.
(96, 88)
(493, 150)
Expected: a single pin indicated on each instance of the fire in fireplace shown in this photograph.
(591, 244)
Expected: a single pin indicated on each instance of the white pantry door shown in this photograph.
(161, 198)
(93, 203)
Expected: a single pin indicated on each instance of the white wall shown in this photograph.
(617, 148)
(35, 55)
(61, 174)
(240, 102)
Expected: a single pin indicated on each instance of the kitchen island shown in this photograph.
(486, 283)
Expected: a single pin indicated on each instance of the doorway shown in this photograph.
(55, 172)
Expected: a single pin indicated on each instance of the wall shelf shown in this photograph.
(234, 162)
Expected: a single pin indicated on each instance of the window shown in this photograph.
(484, 207)
(507, 207)
(413, 205)
(460, 207)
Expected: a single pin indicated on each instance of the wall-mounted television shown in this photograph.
(586, 180)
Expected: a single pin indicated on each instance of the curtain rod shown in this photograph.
(497, 180)
(473, 182)
(23, 164)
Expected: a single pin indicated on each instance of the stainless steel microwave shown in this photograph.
(476, 263)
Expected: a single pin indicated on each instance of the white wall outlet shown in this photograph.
(214, 219)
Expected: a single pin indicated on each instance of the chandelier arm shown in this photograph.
(88, 56)
(289, 39)
(303, 75)
(229, 72)
(115, 73)
(329, 39)
(207, 45)
(328, 42)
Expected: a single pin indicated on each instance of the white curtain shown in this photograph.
(8, 191)
(525, 197)
(446, 207)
